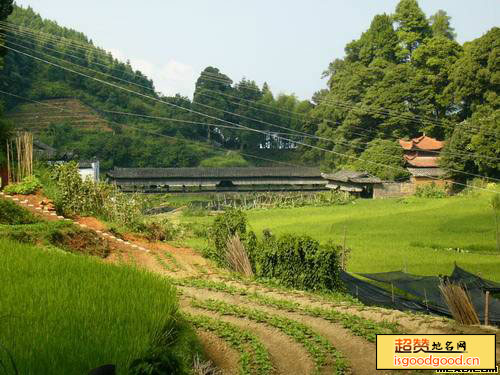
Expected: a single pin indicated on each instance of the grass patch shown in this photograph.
(63, 235)
(12, 214)
(66, 314)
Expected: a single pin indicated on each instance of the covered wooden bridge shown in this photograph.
(217, 179)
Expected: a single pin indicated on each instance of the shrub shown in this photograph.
(299, 261)
(430, 191)
(193, 211)
(158, 230)
(225, 226)
(378, 156)
(28, 185)
(75, 196)
(12, 214)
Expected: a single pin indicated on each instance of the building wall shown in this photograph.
(420, 181)
(92, 173)
(393, 189)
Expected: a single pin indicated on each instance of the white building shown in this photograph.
(89, 169)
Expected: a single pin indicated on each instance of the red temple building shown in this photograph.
(422, 160)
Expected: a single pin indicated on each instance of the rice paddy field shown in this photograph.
(420, 235)
(62, 313)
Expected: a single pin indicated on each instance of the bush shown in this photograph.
(378, 156)
(75, 196)
(158, 230)
(298, 261)
(430, 191)
(28, 185)
(225, 226)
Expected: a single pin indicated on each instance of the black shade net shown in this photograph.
(422, 292)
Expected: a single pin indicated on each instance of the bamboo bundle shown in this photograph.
(22, 166)
(237, 257)
(459, 303)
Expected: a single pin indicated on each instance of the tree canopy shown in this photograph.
(404, 76)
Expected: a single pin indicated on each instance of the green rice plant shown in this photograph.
(254, 357)
(66, 314)
(321, 351)
(380, 232)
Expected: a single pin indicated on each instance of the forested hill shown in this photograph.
(405, 75)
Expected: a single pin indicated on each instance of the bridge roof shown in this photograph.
(278, 172)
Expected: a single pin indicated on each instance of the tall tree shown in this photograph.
(441, 25)
(475, 79)
(379, 41)
(412, 26)
(205, 100)
(434, 60)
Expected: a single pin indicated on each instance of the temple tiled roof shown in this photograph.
(422, 161)
(423, 143)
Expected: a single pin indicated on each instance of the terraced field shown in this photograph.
(37, 116)
(250, 328)
(253, 328)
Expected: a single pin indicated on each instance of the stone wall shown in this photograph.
(393, 189)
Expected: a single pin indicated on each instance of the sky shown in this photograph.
(287, 44)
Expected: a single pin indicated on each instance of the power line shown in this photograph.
(304, 135)
(86, 67)
(72, 43)
(343, 104)
(215, 118)
(385, 112)
(156, 133)
(93, 48)
(340, 142)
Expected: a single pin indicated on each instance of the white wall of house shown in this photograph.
(92, 173)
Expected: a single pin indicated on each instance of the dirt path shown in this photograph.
(287, 356)
(221, 355)
(357, 350)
